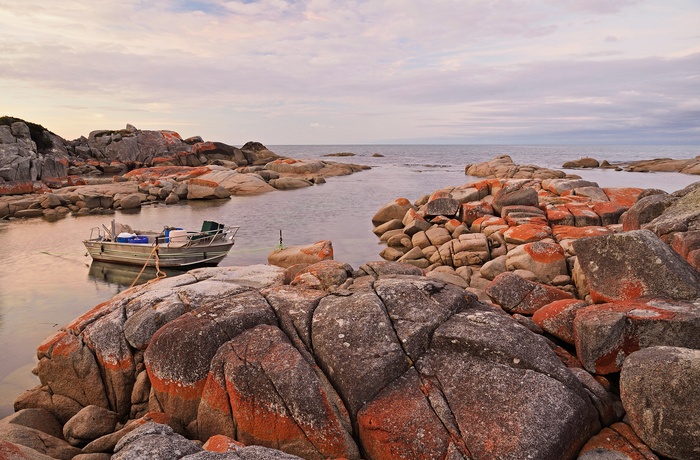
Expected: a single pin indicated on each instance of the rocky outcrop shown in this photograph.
(364, 362)
(503, 167)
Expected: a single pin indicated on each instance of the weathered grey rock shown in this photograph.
(154, 441)
(659, 390)
(377, 269)
(444, 206)
(406, 301)
(90, 423)
(476, 357)
(518, 295)
(681, 216)
(356, 346)
(634, 264)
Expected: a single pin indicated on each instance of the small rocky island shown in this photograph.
(529, 314)
(44, 175)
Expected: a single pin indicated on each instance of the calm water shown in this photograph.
(46, 280)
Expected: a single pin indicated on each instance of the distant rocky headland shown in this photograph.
(42, 174)
(684, 166)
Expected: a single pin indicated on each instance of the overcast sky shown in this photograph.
(377, 71)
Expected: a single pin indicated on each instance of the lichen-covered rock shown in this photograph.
(309, 254)
(545, 260)
(635, 264)
(557, 318)
(180, 353)
(659, 390)
(517, 295)
(277, 399)
(475, 358)
(606, 334)
(154, 441)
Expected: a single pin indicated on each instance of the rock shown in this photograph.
(617, 441)
(203, 189)
(659, 390)
(527, 233)
(514, 194)
(557, 318)
(503, 167)
(444, 206)
(177, 358)
(89, 424)
(494, 267)
(645, 210)
(437, 236)
(397, 209)
(316, 252)
(635, 264)
(325, 275)
(468, 249)
(290, 183)
(356, 346)
(468, 375)
(681, 216)
(377, 269)
(545, 260)
(38, 419)
(582, 163)
(131, 201)
(401, 423)
(153, 441)
(606, 334)
(405, 301)
(394, 224)
(236, 183)
(281, 406)
(38, 441)
(515, 294)
(473, 210)
(12, 451)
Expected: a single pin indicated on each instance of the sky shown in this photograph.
(358, 72)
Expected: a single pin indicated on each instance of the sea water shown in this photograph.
(46, 280)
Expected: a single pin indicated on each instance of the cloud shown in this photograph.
(457, 70)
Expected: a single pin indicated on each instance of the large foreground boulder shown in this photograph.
(659, 390)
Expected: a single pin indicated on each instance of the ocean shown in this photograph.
(46, 279)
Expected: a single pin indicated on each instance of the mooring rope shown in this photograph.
(159, 273)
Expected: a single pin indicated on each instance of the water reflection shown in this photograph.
(125, 275)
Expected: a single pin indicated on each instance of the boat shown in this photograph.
(172, 248)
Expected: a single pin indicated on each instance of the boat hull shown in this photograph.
(164, 256)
